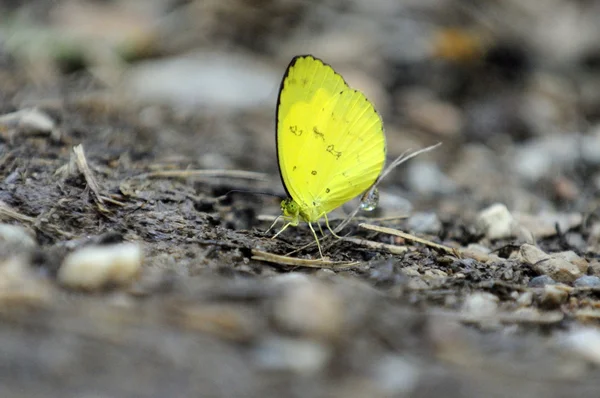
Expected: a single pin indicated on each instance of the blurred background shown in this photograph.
(511, 88)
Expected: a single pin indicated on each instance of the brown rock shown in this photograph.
(574, 259)
(556, 267)
(308, 307)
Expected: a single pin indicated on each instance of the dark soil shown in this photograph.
(205, 319)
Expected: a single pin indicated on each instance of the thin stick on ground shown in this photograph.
(239, 174)
(300, 262)
(393, 249)
(8, 212)
(391, 231)
(83, 167)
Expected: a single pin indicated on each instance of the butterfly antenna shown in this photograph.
(226, 195)
(272, 225)
(405, 156)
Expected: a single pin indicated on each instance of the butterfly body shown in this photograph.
(330, 141)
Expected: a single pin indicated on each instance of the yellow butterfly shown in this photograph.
(330, 142)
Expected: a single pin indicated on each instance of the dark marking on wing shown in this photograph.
(318, 133)
(296, 131)
(331, 150)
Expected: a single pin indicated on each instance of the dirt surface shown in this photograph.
(132, 122)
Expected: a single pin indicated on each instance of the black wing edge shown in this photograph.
(287, 71)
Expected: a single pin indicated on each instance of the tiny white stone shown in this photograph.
(396, 375)
(308, 307)
(297, 355)
(97, 266)
(17, 236)
(480, 304)
(586, 343)
(496, 222)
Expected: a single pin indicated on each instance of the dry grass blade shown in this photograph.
(241, 174)
(391, 231)
(113, 201)
(7, 212)
(299, 262)
(83, 167)
(393, 249)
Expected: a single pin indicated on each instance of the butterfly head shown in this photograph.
(291, 210)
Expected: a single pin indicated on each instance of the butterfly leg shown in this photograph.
(272, 225)
(316, 238)
(320, 229)
(281, 230)
(329, 227)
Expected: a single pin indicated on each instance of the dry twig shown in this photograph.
(391, 231)
(299, 262)
(241, 174)
(83, 167)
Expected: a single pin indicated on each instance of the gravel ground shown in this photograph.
(129, 269)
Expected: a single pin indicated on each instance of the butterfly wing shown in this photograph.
(330, 140)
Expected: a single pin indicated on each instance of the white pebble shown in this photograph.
(480, 305)
(16, 236)
(396, 375)
(496, 222)
(29, 120)
(308, 307)
(586, 343)
(95, 267)
(295, 355)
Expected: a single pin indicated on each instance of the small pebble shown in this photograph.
(396, 375)
(554, 266)
(595, 267)
(525, 299)
(480, 304)
(411, 271)
(427, 178)
(29, 120)
(308, 307)
(541, 281)
(16, 237)
(538, 158)
(587, 281)
(95, 267)
(434, 274)
(553, 296)
(586, 343)
(424, 223)
(224, 321)
(495, 222)
(20, 286)
(574, 259)
(543, 224)
(296, 355)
